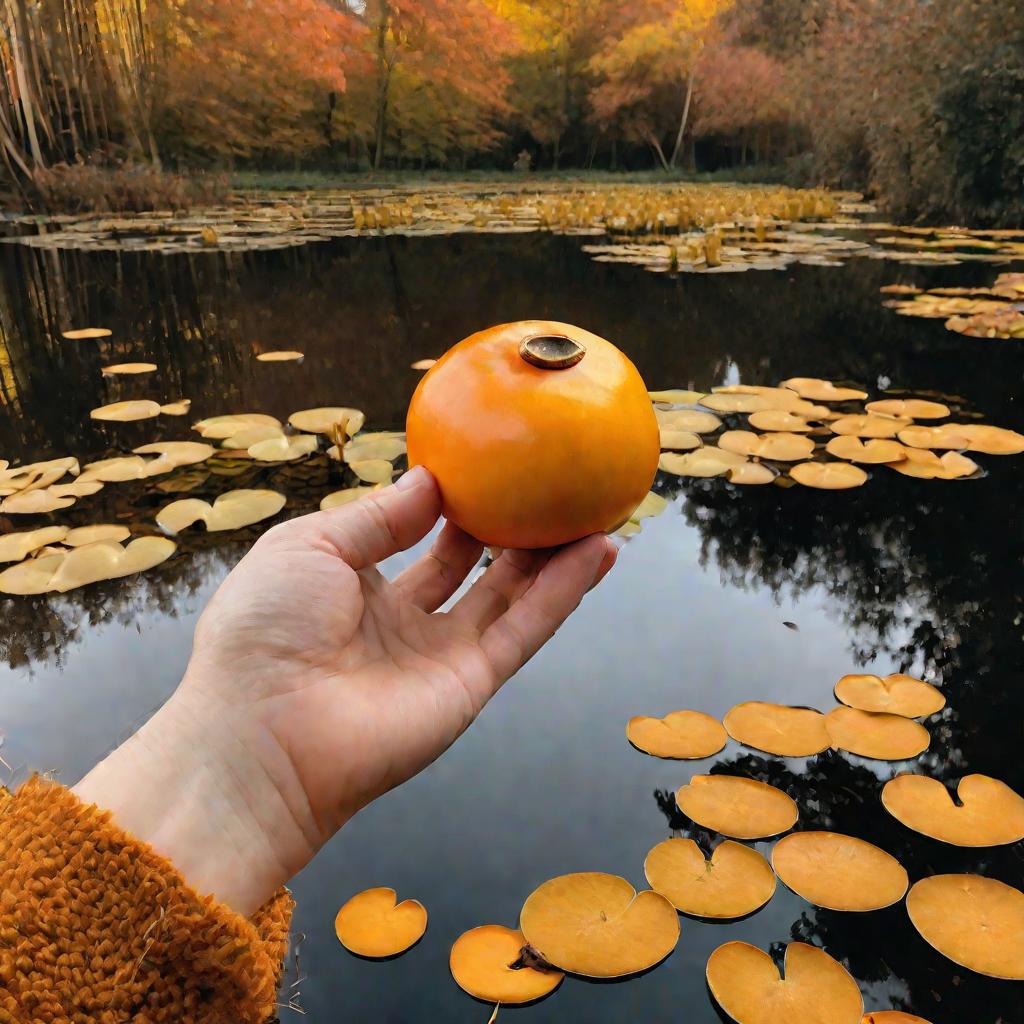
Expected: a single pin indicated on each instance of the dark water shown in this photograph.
(899, 575)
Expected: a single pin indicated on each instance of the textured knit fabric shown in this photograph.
(96, 926)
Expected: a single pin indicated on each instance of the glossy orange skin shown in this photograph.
(528, 457)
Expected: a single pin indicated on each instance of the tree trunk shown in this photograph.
(686, 115)
(383, 86)
(656, 146)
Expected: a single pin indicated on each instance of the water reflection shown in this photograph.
(900, 574)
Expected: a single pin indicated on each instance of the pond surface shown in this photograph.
(901, 574)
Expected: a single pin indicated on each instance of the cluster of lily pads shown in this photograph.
(269, 220)
(596, 925)
(815, 433)
(995, 312)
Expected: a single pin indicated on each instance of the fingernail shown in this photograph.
(416, 477)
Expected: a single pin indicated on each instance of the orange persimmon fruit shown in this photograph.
(537, 432)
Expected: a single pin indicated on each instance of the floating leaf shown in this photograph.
(179, 408)
(778, 729)
(989, 812)
(974, 921)
(387, 446)
(231, 511)
(746, 985)
(283, 448)
(653, 505)
(86, 333)
(705, 462)
(128, 369)
(325, 420)
(839, 872)
(782, 447)
(173, 455)
(78, 567)
(682, 735)
(994, 440)
(692, 420)
(752, 473)
(100, 533)
(245, 439)
(126, 412)
(908, 408)
(481, 960)
(34, 503)
(16, 546)
(675, 396)
(737, 807)
(75, 489)
(779, 420)
(373, 924)
(373, 471)
(116, 470)
(895, 694)
(876, 735)
(339, 498)
(220, 427)
(423, 364)
(680, 440)
(874, 451)
(816, 390)
(36, 475)
(926, 465)
(280, 357)
(828, 476)
(869, 425)
(735, 882)
(598, 925)
(948, 435)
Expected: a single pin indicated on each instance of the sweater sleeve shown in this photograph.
(95, 926)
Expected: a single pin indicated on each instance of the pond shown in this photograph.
(733, 594)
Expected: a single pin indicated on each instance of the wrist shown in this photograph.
(214, 794)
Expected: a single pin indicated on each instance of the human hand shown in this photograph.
(316, 685)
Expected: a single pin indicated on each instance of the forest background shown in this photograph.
(134, 103)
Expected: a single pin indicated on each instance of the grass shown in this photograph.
(307, 180)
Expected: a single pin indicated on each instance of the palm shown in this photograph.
(359, 680)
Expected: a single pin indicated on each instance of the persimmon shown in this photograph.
(537, 432)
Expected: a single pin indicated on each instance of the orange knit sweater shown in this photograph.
(95, 926)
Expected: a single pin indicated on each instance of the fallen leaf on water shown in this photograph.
(737, 807)
(82, 535)
(876, 735)
(680, 440)
(231, 511)
(126, 412)
(339, 498)
(777, 729)
(704, 462)
(78, 567)
(828, 476)
(35, 503)
(869, 425)
(173, 455)
(75, 489)
(783, 447)
(692, 420)
(682, 735)
(385, 445)
(280, 357)
(86, 333)
(373, 471)
(284, 448)
(598, 925)
(839, 872)
(908, 408)
(746, 985)
(874, 451)
(948, 435)
(676, 396)
(374, 924)
(925, 465)
(179, 408)
(16, 546)
(735, 882)
(324, 420)
(752, 473)
(128, 368)
(895, 694)
(221, 427)
(779, 420)
(480, 962)
(116, 470)
(974, 921)
(816, 390)
(990, 813)
(424, 364)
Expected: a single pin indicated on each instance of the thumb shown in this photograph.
(383, 523)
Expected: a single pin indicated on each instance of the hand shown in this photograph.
(315, 685)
